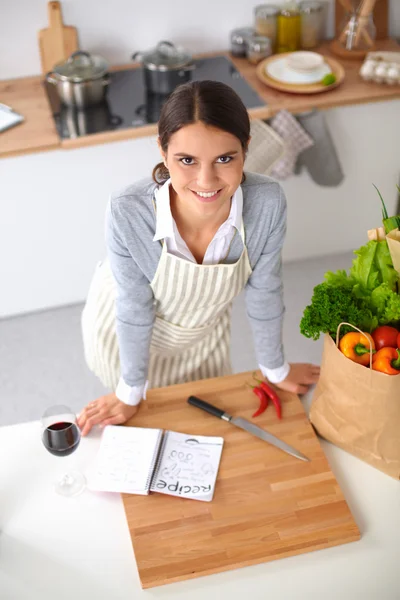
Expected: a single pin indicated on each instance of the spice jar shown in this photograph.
(288, 29)
(266, 16)
(258, 47)
(311, 12)
(239, 39)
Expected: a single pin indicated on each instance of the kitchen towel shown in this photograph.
(265, 149)
(296, 140)
(321, 159)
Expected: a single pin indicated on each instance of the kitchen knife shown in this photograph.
(247, 426)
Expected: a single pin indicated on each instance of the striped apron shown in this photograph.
(191, 332)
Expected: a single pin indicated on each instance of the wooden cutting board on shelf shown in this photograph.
(58, 41)
(380, 16)
(267, 504)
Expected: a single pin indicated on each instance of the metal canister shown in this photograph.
(239, 38)
(258, 47)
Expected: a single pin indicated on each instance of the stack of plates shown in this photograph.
(299, 72)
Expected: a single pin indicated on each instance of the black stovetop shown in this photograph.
(128, 104)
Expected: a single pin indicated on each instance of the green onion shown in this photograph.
(389, 223)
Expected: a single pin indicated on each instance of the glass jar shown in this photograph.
(288, 29)
(266, 16)
(312, 21)
(239, 39)
(358, 33)
(258, 47)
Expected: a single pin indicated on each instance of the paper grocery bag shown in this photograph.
(358, 409)
(393, 240)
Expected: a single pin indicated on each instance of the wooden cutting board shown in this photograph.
(267, 504)
(57, 42)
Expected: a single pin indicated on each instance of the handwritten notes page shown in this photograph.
(188, 466)
(126, 459)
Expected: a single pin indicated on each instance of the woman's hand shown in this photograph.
(300, 377)
(106, 410)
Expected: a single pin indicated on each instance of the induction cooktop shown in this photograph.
(128, 104)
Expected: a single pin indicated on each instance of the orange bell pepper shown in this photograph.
(387, 360)
(356, 346)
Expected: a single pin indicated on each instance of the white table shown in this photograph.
(79, 548)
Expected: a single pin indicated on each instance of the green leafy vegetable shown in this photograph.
(366, 296)
(385, 304)
(330, 306)
(374, 266)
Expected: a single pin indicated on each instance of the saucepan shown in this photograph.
(165, 67)
(81, 81)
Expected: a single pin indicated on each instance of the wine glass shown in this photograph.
(61, 436)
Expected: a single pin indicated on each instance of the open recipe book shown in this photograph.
(138, 460)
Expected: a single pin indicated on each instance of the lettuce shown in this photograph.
(373, 266)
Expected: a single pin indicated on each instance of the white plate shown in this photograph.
(278, 69)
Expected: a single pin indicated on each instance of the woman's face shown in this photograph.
(205, 165)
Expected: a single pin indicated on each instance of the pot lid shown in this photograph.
(166, 56)
(81, 66)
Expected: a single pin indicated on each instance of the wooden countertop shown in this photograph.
(38, 132)
(267, 504)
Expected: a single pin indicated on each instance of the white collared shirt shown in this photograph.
(167, 230)
(217, 250)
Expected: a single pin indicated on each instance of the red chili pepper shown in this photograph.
(263, 399)
(272, 395)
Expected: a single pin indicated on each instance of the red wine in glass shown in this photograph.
(61, 436)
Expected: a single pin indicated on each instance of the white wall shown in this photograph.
(117, 28)
(52, 204)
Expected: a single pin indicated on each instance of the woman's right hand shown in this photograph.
(106, 410)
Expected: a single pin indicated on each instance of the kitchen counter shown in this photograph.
(38, 132)
(80, 547)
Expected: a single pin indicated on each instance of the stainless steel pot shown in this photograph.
(165, 67)
(81, 81)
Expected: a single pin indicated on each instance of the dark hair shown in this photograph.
(210, 102)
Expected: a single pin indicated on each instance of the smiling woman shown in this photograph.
(181, 247)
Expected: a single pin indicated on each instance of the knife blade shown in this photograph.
(255, 430)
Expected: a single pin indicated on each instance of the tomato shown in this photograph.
(386, 336)
(398, 341)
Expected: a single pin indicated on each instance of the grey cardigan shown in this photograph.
(133, 255)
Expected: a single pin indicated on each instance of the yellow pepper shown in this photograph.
(356, 346)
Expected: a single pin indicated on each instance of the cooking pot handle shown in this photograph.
(50, 78)
(165, 43)
(106, 79)
(80, 53)
(190, 67)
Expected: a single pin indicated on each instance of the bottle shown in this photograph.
(311, 12)
(289, 28)
(266, 16)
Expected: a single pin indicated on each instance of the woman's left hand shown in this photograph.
(300, 377)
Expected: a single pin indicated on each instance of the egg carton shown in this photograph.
(381, 67)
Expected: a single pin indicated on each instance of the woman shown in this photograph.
(180, 248)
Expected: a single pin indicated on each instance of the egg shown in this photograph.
(393, 74)
(367, 70)
(380, 73)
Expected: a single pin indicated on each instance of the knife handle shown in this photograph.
(213, 410)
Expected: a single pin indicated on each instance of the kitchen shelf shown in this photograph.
(38, 132)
